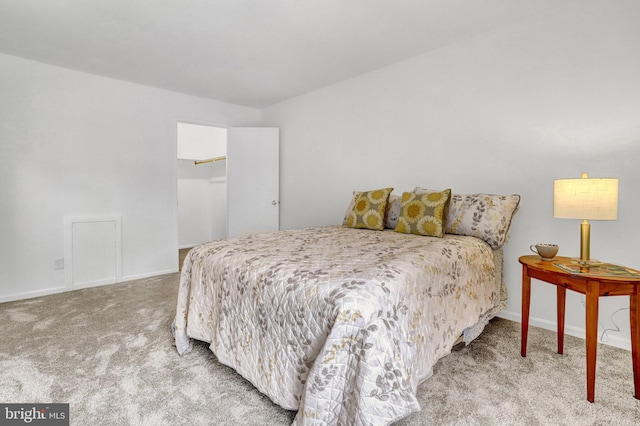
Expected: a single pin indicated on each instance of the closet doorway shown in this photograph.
(228, 182)
(202, 184)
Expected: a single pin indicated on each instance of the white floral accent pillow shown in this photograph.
(484, 216)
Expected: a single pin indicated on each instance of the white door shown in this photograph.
(253, 179)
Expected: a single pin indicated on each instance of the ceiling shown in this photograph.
(247, 52)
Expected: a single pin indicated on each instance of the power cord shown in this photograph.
(604, 338)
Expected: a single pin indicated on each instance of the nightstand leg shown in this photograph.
(592, 299)
(561, 293)
(526, 300)
(635, 341)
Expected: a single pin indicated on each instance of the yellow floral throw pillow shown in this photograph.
(423, 214)
(368, 210)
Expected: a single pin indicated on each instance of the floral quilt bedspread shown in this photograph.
(340, 324)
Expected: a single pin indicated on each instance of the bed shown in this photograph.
(339, 323)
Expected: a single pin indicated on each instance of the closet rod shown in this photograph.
(209, 160)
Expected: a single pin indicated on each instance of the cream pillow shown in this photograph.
(392, 213)
(368, 209)
(423, 213)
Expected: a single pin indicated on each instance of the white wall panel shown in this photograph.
(93, 251)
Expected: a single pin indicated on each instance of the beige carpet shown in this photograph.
(108, 352)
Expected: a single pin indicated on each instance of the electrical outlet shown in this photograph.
(58, 263)
(583, 300)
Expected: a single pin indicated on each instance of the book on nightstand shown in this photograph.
(601, 269)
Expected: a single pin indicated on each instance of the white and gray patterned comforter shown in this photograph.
(340, 324)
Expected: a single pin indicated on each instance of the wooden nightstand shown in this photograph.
(592, 286)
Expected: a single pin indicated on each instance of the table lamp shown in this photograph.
(587, 199)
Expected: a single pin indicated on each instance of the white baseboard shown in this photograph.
(188, 246)
(89, 284)
(55, 290)
(147, 275)
(32, 294)
(616, 341)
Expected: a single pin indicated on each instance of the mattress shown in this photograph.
(339, 324)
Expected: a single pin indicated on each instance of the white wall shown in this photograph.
(505, 112)
(77, 144)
